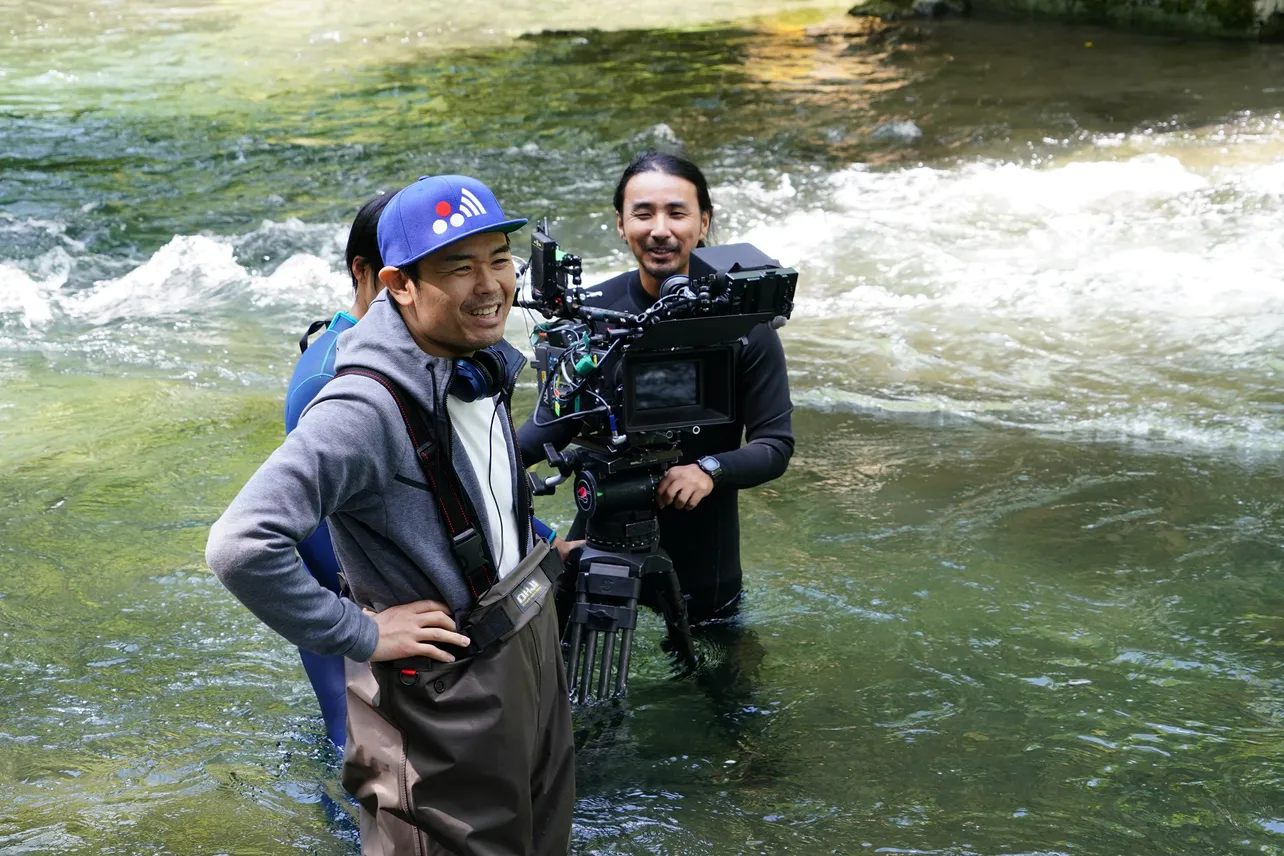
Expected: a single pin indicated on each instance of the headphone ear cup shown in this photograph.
(494, 367)
(478, 376)
(471, 382)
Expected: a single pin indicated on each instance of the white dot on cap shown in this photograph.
(439, 226)
(456, 219)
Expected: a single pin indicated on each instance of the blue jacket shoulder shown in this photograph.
(314, 370)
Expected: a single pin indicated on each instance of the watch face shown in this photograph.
(709, 464)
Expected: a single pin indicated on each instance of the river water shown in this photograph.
(1019, 591)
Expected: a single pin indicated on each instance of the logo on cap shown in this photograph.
(469, 206)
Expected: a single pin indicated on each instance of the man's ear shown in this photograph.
(705, 217)
(398, 285)
(619, 225)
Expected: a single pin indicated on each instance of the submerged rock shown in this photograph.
(941, 8)
(900, 131)
(660, 135)
(887, 10)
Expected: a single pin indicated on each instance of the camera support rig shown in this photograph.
(617, 496)
(634, 382)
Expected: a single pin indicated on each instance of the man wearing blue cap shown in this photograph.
(458, 736)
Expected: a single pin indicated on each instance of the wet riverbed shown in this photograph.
(1020, 589)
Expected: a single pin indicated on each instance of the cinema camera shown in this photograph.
(635, 383)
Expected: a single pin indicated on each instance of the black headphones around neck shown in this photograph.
(480, 376)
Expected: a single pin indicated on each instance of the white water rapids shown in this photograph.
(1132, 289)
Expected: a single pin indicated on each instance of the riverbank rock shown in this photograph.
(897, 10)
(1239, 19)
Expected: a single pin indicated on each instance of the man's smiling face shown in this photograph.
(662, 222)
(459, 297)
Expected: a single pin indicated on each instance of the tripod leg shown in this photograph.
(626, 653)
(588, 666)
(572, 664)
(676, 619)
(608, 653)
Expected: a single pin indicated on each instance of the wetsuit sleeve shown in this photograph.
(329, 457)
(763, 389)
(531, 437)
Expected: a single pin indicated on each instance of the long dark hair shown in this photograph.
(363, 239)
(669, 164)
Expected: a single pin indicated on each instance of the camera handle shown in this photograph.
(565, 462)
(574, 266)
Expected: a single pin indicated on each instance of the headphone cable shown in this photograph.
(490, 458)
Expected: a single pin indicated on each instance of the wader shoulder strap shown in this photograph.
(468, 544)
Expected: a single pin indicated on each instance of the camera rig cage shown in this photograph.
(634, 382)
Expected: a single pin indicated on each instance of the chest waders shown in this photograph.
(474, 757)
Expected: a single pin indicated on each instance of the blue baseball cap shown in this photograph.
(435, 211)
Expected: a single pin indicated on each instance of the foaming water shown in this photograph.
(1130, 289)
(183, 312)
(191, 275)
(1103, 294)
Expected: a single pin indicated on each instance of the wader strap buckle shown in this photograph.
(552, 566)
(474, 558)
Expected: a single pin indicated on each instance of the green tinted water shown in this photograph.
(1019, 590)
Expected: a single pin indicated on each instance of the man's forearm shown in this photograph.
(252, 547)
(262, 571)
(532, 437)
(768, 410)
(757, 462)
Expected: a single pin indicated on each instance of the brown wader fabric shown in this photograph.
(471, 758)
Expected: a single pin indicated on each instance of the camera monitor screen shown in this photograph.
(659, 385)
(681, 388)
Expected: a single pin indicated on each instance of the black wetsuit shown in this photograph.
(704, 542)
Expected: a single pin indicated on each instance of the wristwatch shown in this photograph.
(711, 467)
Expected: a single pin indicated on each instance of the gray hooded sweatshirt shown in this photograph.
(351, 460)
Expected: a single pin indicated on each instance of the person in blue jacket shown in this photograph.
(314, 369)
